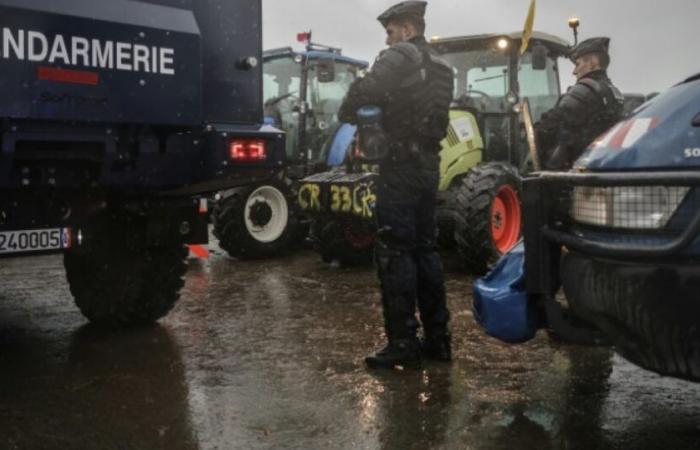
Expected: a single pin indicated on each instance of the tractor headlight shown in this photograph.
(640, 207)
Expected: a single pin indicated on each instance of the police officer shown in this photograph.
(413, 87)
(588, 109)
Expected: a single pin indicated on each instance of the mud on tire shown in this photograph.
(117, 283)
(258, 221)
(477, 222)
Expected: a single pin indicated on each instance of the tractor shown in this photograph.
(263, 220)
(482, 157)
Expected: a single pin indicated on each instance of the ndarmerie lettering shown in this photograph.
(30, 45)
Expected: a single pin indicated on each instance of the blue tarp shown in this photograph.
(501, 302)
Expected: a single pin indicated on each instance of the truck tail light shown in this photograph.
(248, 150)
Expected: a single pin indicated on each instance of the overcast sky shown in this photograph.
(655, 43)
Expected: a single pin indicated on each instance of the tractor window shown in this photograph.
(324, 102)
(541, 87)
(325, 98)
(481, 78)
(281, 80)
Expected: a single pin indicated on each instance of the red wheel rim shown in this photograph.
(358, 238)
(505, 219)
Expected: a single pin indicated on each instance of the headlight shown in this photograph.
(640, 207)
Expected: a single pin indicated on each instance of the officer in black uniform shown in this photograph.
(588, 109)
(413, 86)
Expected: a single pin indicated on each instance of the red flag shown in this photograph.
(304, 37)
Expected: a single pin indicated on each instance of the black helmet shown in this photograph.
(592, 45)
(404, 9)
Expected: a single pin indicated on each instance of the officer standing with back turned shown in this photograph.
(588, 109)
(413, 87)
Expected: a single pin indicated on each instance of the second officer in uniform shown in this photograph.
(588, 109)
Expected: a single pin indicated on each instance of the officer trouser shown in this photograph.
(409, 268)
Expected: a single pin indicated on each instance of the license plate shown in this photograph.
(25, 241)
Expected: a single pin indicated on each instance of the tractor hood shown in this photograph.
(662, 134)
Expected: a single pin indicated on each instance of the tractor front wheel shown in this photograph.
(258, 221)
(490, 216)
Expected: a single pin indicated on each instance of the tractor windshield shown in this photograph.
(540, 87)
(481, 79)
(281, 80)
(325, 98)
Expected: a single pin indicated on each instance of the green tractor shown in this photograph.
(485, 152)
(263, 219)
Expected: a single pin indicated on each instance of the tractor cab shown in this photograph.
(491, 80)
(321, 76)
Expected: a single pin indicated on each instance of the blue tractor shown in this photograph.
(621, 234)
(302, 94)
(119, 119)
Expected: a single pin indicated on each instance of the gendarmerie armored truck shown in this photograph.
(118, 119)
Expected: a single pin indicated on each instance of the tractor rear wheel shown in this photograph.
(346, 240)
(257, 221)
(490, 216)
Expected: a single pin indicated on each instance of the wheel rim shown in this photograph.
(266, 214)
(505, 219)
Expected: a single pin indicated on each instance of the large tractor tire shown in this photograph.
(490, 216)
(350, 242)
(116, 282)
(258, 221)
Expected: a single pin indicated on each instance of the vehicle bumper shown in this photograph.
(649, 310)
(641, 291)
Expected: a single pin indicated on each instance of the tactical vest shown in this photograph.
(613, 104)
(420, 112)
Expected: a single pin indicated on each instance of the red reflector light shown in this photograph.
(248, 150)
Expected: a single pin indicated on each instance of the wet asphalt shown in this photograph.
(268, 354)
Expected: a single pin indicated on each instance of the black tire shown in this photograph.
(117, 284)
(346, 240)
(474, 196)
(272, 225)
(649, 311)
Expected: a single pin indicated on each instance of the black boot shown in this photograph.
(403, 352)
(437, 347)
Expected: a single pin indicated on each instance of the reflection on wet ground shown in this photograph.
(268, 354)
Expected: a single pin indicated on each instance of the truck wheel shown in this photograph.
(257, 222)
(489, 219)
(116, 285)
(348, 241)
